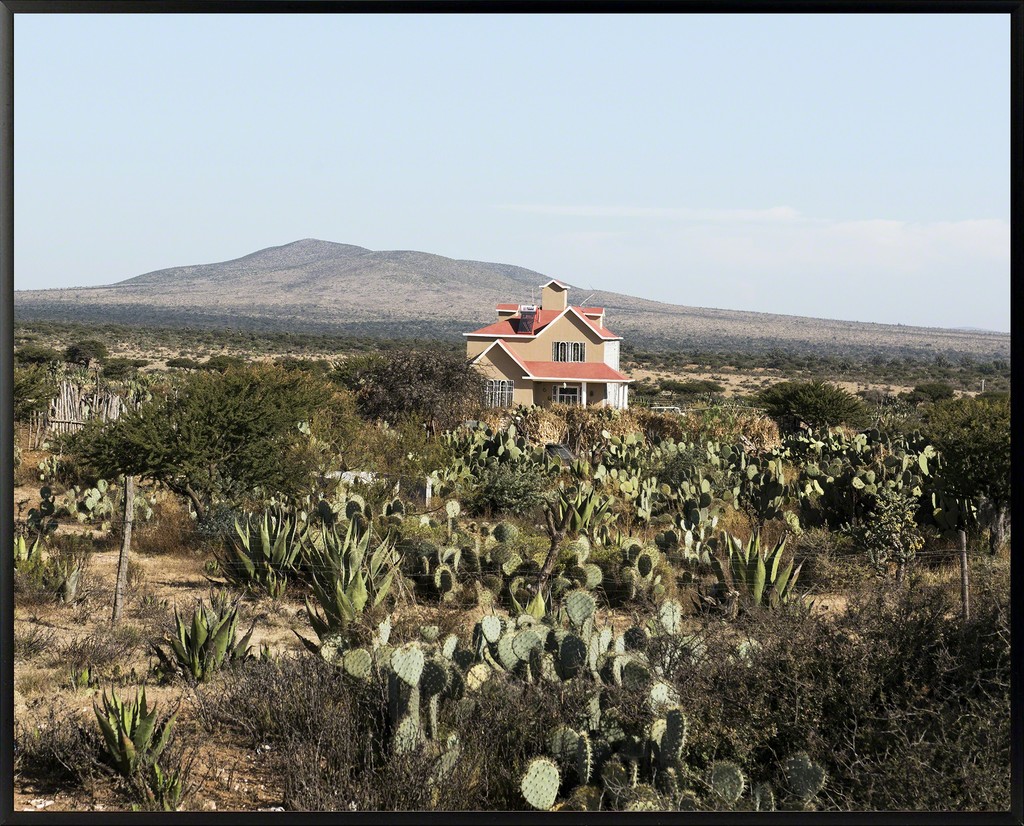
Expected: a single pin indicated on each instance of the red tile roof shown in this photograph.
(503, 346)
(575, 371)
(510, 326)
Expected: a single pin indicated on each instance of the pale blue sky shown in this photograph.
(847, 166)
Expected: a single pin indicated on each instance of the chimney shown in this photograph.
(554, 296)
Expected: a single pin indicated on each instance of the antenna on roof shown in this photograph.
(583, 303)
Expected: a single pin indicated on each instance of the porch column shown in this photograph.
(583, 393)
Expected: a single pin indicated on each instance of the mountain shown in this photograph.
(321, 286)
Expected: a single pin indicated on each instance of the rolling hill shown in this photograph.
(321, 286)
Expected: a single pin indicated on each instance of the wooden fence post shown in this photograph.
(126, 544)
(965, 585)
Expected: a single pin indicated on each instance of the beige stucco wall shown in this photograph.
(554, 298)
(568, 328)
(498, 364)
(475, 346)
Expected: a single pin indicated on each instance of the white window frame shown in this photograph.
(557, 391)
(569, 351)
(499, 392)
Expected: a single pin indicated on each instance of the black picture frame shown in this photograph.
(11, 9)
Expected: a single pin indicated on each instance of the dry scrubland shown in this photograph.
(681, 655)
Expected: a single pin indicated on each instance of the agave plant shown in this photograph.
(261, 555)
(756, 573)
(25, 555)
(131, 733)
(347, 577)
(586, 508)
(202, 646)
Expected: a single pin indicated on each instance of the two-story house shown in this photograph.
(554, 353)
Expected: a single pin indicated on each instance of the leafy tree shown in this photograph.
(121, 368)
(818, 403)
(218, 437)
(433, 387)
(932, 391)
(891, 534)
(973, 436)
(86, 352)
(35, 354)
(33, 389)
(183, 363)
(221, 363)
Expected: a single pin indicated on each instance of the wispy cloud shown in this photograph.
(772, 214)
(933, 273)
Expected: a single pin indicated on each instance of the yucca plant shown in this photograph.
(347, 577)
(262, 554)
(757, 574)
(130, 730)
(202, 646)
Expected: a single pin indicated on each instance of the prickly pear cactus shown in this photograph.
(506, 532)
(670, 615)
(727, 781)
(580, 606)
(540, 783)
(805, 777)
(584, 758)
(357, 663)
(762, 797)
(434, 678)
(407, 663)
(491, 628)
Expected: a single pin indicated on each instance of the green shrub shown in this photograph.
(507, 489)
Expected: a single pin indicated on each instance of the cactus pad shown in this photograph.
(524, 642)
(727, 781)
(477, 676)
(675, 736)
(635, 639)
(763, 798)
(407, 663)
(562, 744)
(448, 646)
(434, 678)
(540, 783)
(670, 615)
(662, 694)
(444, 579)
(430, 632)
(580, 606)
(452, 508)
(490, 626)
(506, 654)
(635, 674)
(594, 575)
(572, 654)
(506, 532)
(407, 735)
(584, 758)
(805, 777)
(357, 662)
